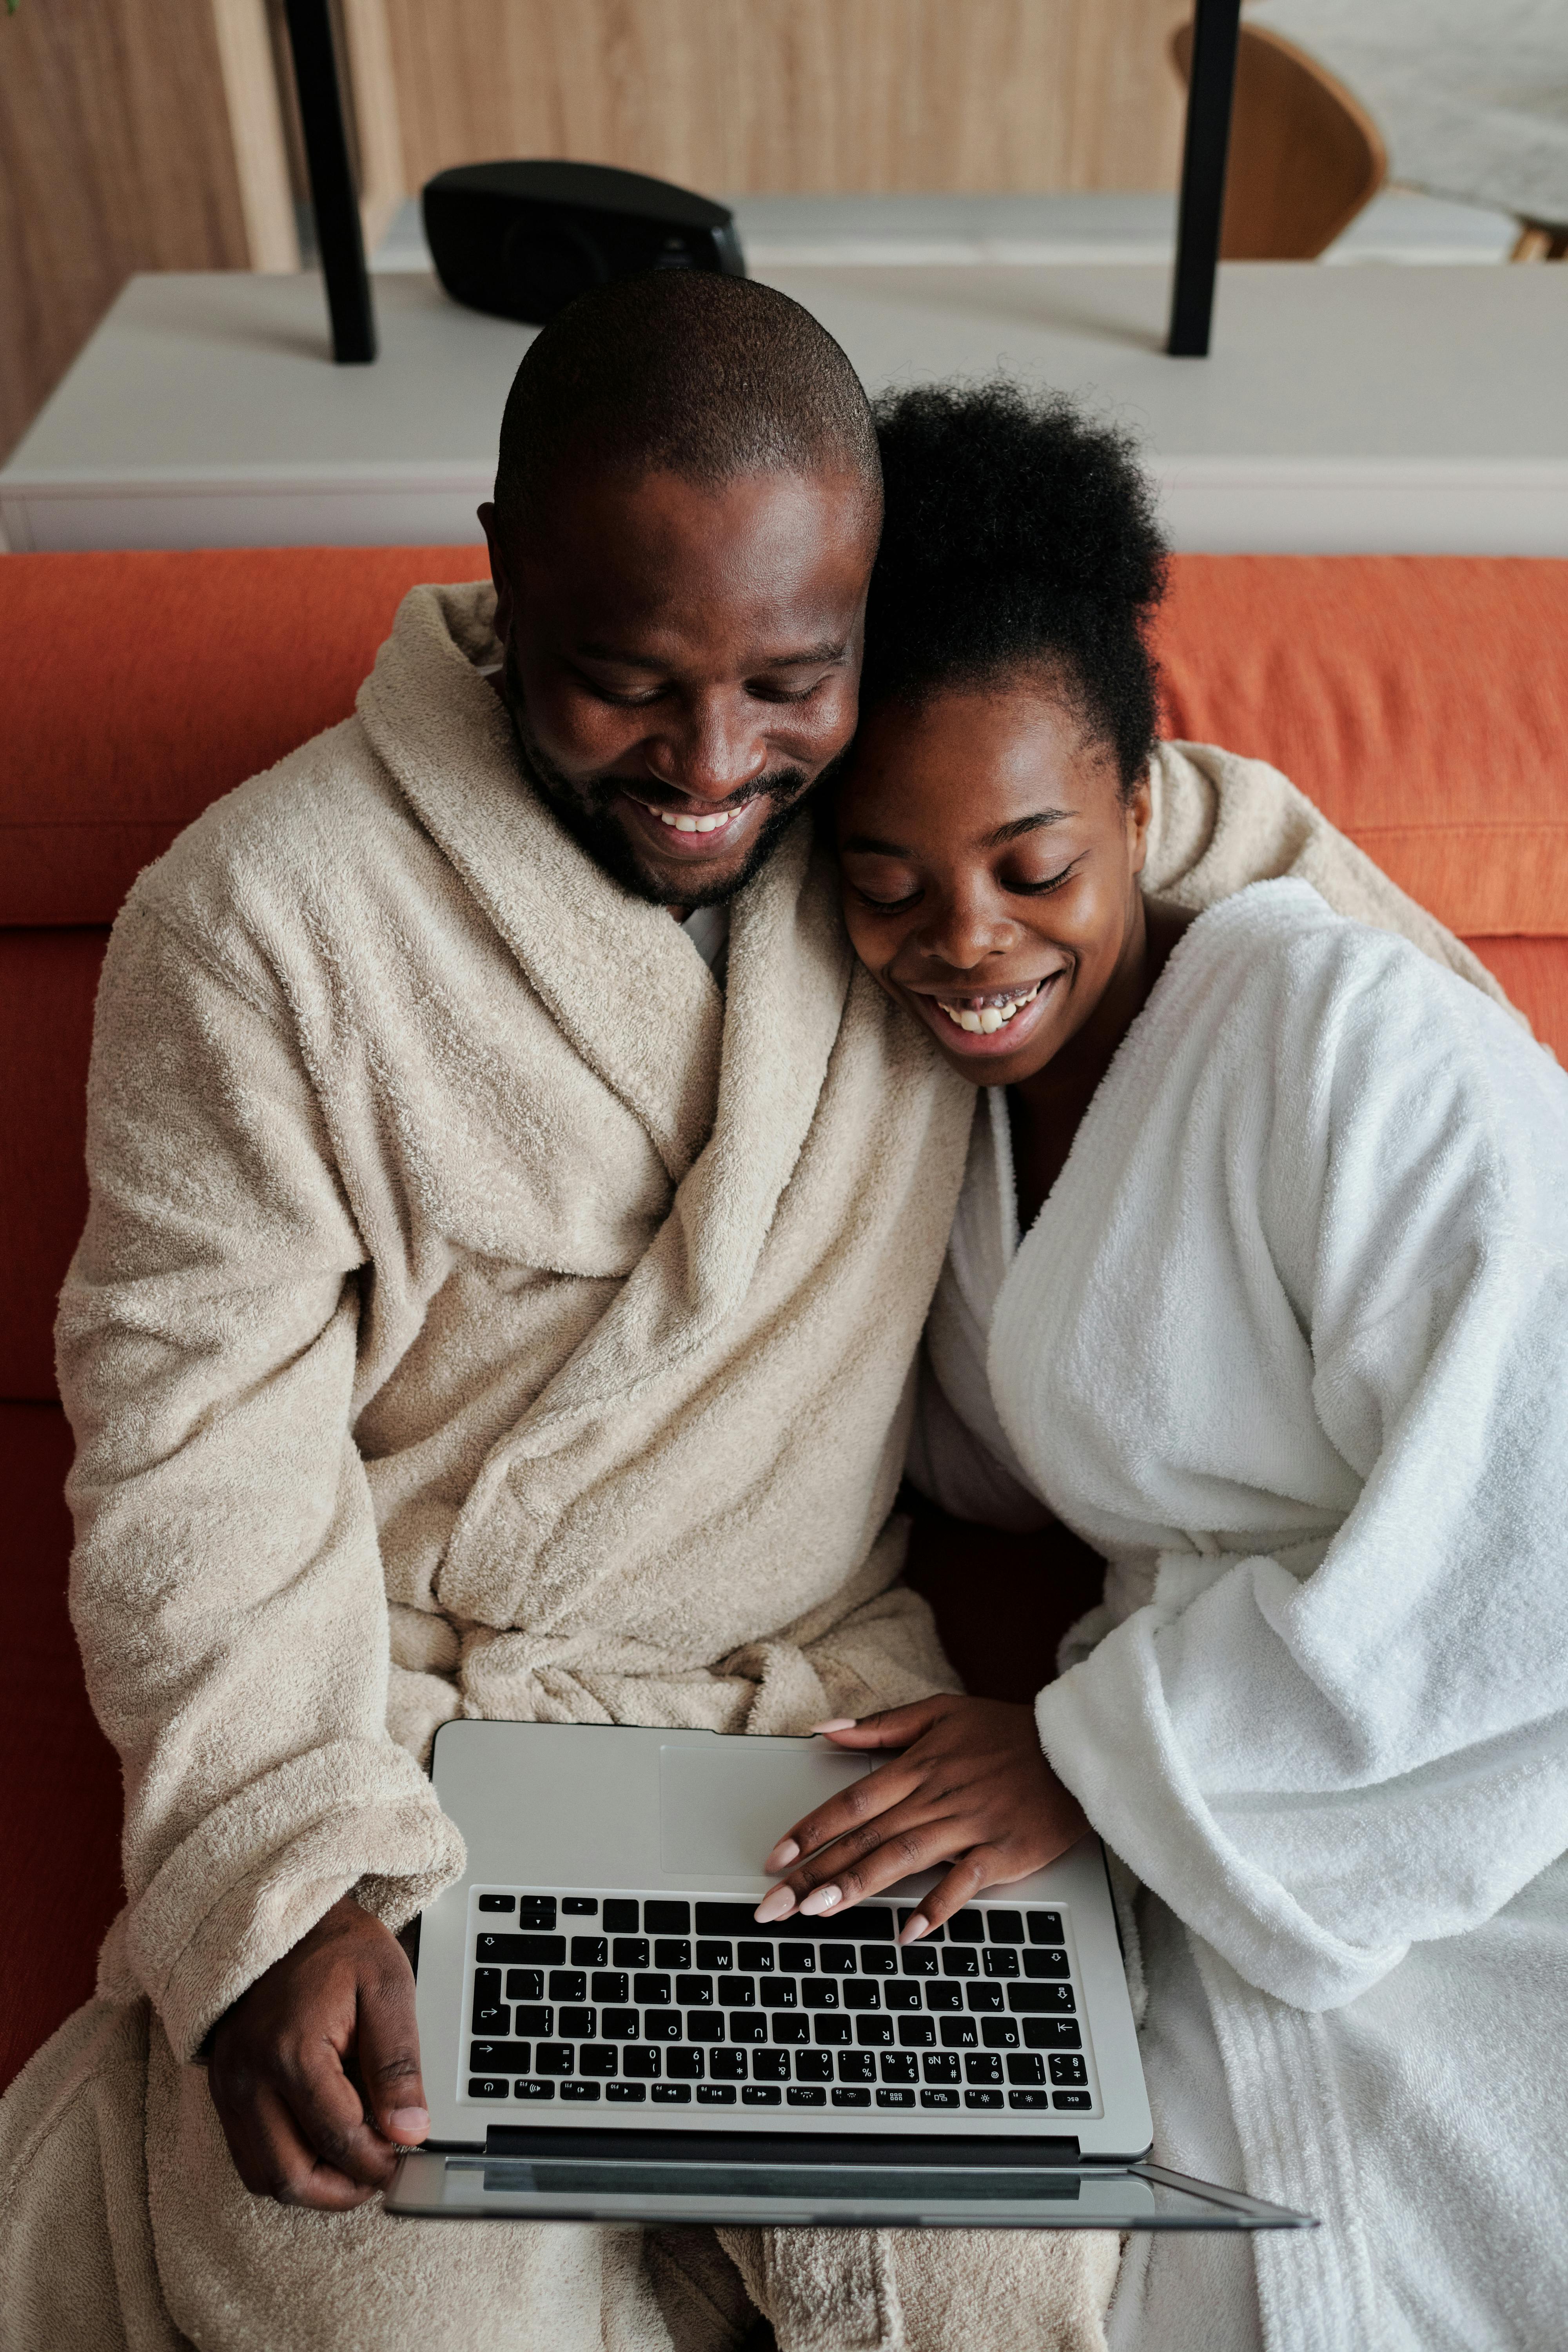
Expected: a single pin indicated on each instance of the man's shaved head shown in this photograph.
(686, 372)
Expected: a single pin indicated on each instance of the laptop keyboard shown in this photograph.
(643, 2000)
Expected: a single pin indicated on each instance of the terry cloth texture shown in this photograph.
(479, 1314)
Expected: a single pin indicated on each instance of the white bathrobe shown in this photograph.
(1289, 1344)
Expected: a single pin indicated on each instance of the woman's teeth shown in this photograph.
(984, 1021)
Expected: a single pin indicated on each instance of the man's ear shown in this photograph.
(491, 529)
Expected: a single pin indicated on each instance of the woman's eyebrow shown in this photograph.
(1022, 824)
(868, 842)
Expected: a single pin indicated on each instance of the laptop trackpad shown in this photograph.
(724, 1805)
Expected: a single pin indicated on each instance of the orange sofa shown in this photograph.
(1422, 703)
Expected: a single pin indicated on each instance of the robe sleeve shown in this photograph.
(226, 1586)
(1319, 1758)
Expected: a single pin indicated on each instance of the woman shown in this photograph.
(1260, 1283)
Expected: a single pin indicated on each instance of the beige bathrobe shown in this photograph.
(481, 1314)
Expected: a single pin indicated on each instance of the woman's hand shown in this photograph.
(972, 1783)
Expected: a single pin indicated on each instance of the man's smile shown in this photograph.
(690, 833)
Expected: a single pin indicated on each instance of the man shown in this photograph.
(500, 1298)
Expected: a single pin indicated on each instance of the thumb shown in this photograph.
(388, 2049)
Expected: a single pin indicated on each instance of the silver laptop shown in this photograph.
(608, 2035)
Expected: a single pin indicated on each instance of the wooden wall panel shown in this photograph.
(115, 155)
(824, 95)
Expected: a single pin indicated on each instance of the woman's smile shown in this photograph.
(987, 1024)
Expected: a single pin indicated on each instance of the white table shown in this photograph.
(1378, 409)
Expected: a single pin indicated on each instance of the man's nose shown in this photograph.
(716, 752)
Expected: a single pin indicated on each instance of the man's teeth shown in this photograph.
(992, 1017)
(692, 824)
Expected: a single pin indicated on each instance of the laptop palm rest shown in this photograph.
(723, 1806)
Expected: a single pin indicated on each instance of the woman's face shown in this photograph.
(991, 870)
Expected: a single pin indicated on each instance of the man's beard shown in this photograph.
(586, 810)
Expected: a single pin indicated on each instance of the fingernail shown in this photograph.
(820, 1899)
(776, 1905)
(413, 2121)
(783, 1853)
(838, 1723)
(918, 1925)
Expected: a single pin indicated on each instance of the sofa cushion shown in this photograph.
(48, 980)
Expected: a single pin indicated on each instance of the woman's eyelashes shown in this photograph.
(882, 902)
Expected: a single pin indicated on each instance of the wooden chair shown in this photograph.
(1305, 156)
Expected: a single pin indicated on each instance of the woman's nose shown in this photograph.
(964, 932)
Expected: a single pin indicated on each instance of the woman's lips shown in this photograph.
(1006, 1031)
(692, 832)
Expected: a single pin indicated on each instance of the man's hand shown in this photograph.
(315, 2070)
(972, 1782)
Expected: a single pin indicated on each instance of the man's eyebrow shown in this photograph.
(623, 660)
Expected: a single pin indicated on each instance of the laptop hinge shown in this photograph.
(774, 2148)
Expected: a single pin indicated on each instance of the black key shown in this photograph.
(508, 1903)
(684, 2066)
(535, 1951)
(659, 1918)
(537, 2024)
(804, 2097)
(694, 1993)
(487, 1985)
(1075, 2100)
(917, 2033)
(985, 2068)
(1028, 2099)
(831, 2031)
(703, 2025)
(857, 2067)
(939, 2098)
(761, 2095)
(1033, 1998)
(651, 1992)
(629, 2094)
(579, 2090)
(1045, 1926)
(931, 1936)
(898, 2067)
(553, 2058)
(727, 2065)
(675, 1954)
(737, 1993)
(770, 2066)
(1000, 1962)
(493, 2017)
(598, 2061)
(643, 2065)
(590, 1952)
(875, 1922)
(716, 1957)
(874, 2033)
(618, 2024)
(1025, 2070)
(813, 2066)
(748, 2025)
(877, 1960)
(821, 1994)
(999, 2032)
(725, 1919)
(940, 2067)
(661, 2025)
(983, 1999)
(629, 1952)
(534, 2090)
(958, 1960)
(1005, 1926)
(918, 1963)
(485, 2086)
(982, 2098)
(568, 1984)
(620, 1917)
(1051, 2033)
(851, 2098)
(792, 2028)
(863, 1996)
(778, 1993)
(800, 1959)
(673, 2095)
(525, 1984)
(896, 2098)
(959, 2034)
(499, 2057)
(902, 1996)
(580, 1907)
(758, 1957)
(1053, 1963)
(967, 1926)
(716, 2094)
(575, 2025)
(535, 1911)
(838, 1959)
(942, 1997)
(1068, 2071)
(610, 1984)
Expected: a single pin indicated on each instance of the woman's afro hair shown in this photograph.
(1017, 537)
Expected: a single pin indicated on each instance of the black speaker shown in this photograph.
(522, 239)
